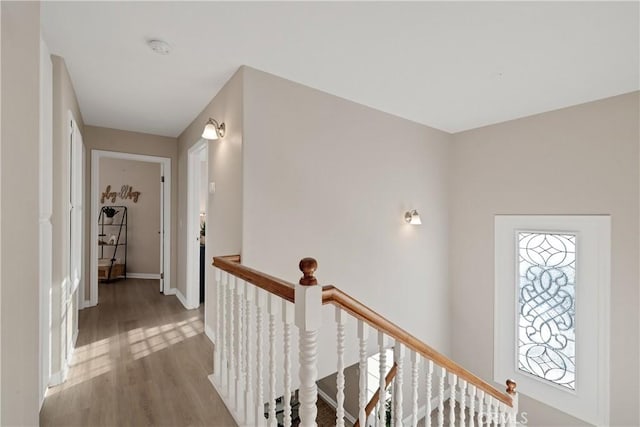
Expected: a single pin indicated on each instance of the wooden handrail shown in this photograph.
(270, 284)
(376, 396)
(335, 296)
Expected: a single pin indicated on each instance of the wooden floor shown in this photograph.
(141, 359)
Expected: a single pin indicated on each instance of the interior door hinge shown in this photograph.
(162, 179)
(162, 275)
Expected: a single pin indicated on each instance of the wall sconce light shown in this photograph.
(412, 217)
(213, 130)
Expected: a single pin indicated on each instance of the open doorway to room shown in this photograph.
(196, 222)
(130, 219)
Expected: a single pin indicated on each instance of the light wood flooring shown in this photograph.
(141, 359)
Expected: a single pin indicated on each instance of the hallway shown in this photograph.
(141, 359)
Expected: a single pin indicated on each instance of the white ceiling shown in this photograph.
(453, 65)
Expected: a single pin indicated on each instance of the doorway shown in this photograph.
(128, 196)
(196, 222)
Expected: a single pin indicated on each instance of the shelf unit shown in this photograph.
(109, 268)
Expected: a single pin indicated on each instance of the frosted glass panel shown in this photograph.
(546, 303)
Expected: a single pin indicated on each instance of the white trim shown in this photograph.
(210, 333)
(193, 221)
(183, 300)
(590, 399)
(45, 207)
(171, 291)
(165, 166)
(154, 276)
(226, 401)
(86, 304)
(331, 402)
(56, 378)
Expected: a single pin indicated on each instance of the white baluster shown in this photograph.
(414, 388)
(340, 322)
(443, 373)
(308, 297)
(274, 304)
(249, 412)
(472, 404)
(463, 401)
(392, 402)
(489, 402)
(398, 356)
(230, 353)
(480, 407)
(501, 414)
(382, 400)
(223, 363)
(259, 402)
(428, 411)
(239, 356)
(287, 319)
(453, 379)
(217, 346)
(363, 332)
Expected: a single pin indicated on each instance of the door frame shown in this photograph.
(193, 220)
(165, 217)
(45, 215)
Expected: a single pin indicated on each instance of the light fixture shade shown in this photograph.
(213, 130)
(412, 217)
(210, 132)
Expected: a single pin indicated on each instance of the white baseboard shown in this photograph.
(227, 402)
(334, 405)
(87, 304)
(55, 379)
(183, 300)
(152, 276)
(170, 291)
(210, 333)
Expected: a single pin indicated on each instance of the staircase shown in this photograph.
(251, 374)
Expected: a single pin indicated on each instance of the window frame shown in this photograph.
(590, 399)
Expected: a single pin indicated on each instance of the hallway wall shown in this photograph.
(64, 102)
(224, 212)
(99, 138)
(329, 178)
(19, 196)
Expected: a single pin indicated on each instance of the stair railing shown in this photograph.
(241, 362)
(373, 402)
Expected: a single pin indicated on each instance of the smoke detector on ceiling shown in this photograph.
(159, 46)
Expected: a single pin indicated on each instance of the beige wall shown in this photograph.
(224, 217)
(578, 160)
(64, 102)
(143, 216)
(332, 179)
(20, 29)
(98, 138)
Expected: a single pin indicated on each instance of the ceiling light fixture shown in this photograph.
(412, 217)
(160, 47)
(213, 130)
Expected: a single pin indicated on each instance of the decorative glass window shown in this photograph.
(546, 306)
(551, 310)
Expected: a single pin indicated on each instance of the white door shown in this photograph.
(196, 214)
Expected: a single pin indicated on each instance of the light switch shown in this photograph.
(212, 187)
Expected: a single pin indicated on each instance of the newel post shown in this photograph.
(308, 305)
